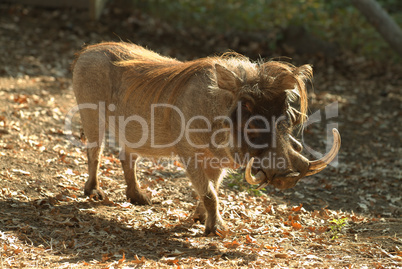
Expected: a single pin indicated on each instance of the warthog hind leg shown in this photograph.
(92, 185)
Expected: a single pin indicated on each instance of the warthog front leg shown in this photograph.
(200, 214)
(133, 192)
(206, 183)
(216, 176)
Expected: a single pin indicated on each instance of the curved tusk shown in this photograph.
(319, 165)
(313, 172)
(253, 180)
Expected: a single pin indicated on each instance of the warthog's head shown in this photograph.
(265, 120)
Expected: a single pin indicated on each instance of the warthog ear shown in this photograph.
(227, 79)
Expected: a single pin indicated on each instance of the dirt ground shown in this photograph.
(348, 216)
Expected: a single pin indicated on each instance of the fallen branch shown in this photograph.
(382, 21)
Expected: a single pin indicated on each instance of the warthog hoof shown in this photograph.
(211, 229)
(96, 194)
(200, 214)
(139, 198)
(199, 217)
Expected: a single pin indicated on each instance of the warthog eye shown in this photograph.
(247, 106)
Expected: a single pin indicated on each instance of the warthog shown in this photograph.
(214, 113)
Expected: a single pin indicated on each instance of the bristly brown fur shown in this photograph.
(152, 77)
(150, 74)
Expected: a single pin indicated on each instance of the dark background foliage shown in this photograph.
(337, 22)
